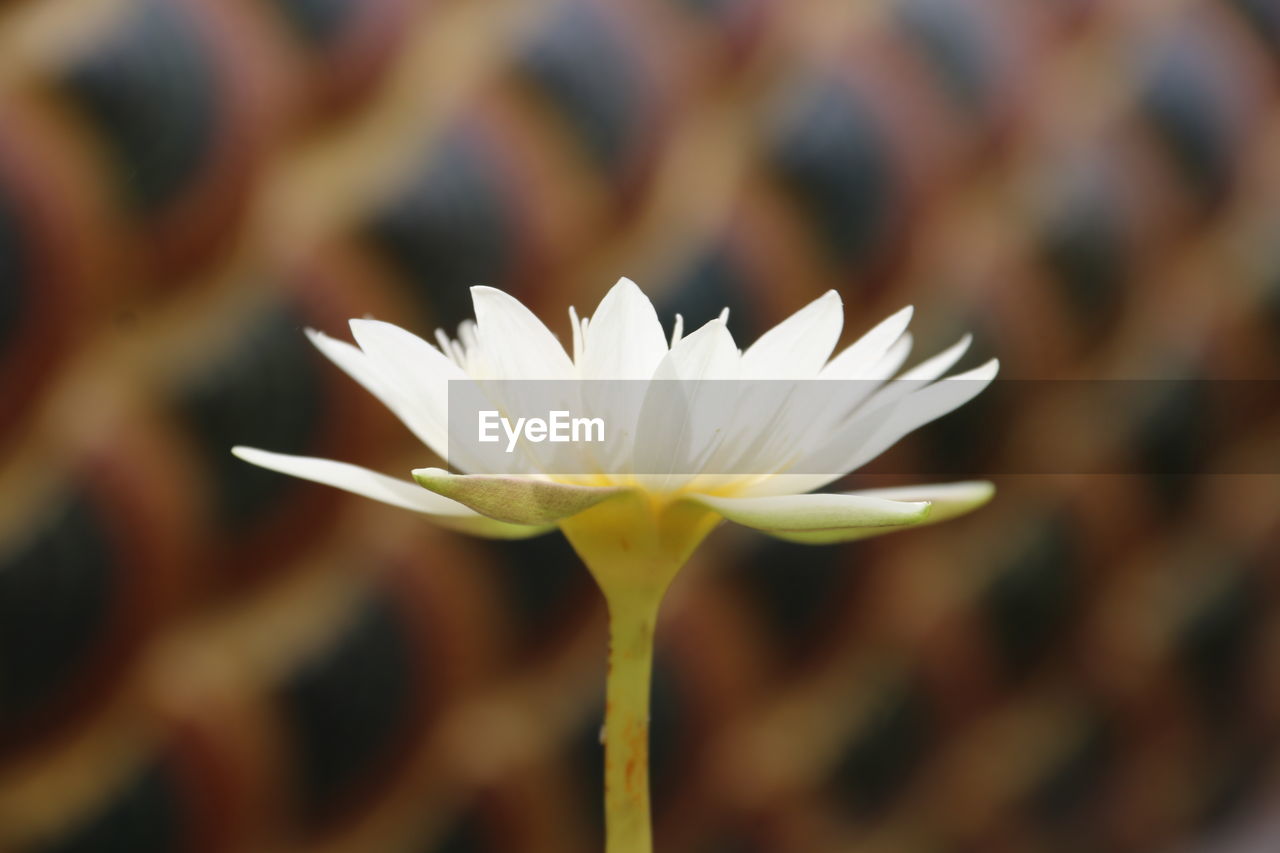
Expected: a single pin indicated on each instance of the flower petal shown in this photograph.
(797, 347)
(358, 365)
(669, 442)
(922, 374)
(818, 518)
(389, 490)
(625, 338)
(518, 500)
(417, 373)
(706, 353)
(948, 499)
(922, 406)
(859, 359)
(575, 330)
(516, 344)
(933, 367)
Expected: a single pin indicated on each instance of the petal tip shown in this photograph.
(431, 478)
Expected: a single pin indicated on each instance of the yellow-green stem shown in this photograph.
(626, 728)
(634, 545)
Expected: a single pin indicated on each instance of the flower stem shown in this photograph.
(633, 546)
(626, 732)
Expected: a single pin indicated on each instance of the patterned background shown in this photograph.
(197, 655)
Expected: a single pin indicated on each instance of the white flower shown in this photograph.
(624, 340)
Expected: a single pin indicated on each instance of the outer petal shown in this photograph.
(624, 339)
(948, 499)
(380, 487)
(797, 347)
(515, 343)
(819, 518)
(519, 500)
(415, 370)
(361, 367)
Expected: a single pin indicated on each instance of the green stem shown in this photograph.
(626, 731)
(633, 545)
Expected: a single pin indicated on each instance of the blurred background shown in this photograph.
(198, 655)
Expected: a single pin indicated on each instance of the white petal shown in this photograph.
(417, 371)
(380, 487)
(892, 361)
(876, 426)
(575, 329)
(932, 368)
(860, 358)
(797, 347)
(850, 378)
(674, 437)
(818, 518)
(360, 367)
(677, 330)
(518, 500)
(707, 353)
(625, 339)
(948, 499)
(924, 405)
(914, 380)
(516, 344)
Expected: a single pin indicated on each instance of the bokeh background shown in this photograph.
(197, 655)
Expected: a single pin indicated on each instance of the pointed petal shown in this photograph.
(892, 360)
(922, 406)
(519, 500)
(415, 370)
(625, 339)
(669, 441)
(389, 490)
(922, 374)
(948, 499)
(860, 358)
(797, 347)
(818, 518)
(575, 330)
(932, 368)
(515, 342)
(706, 353)
(357, 364)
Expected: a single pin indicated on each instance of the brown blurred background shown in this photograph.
(197, 655)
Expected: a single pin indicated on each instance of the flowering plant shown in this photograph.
(635, 528)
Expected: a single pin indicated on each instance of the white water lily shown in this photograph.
(635, 529)
(624, 340)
